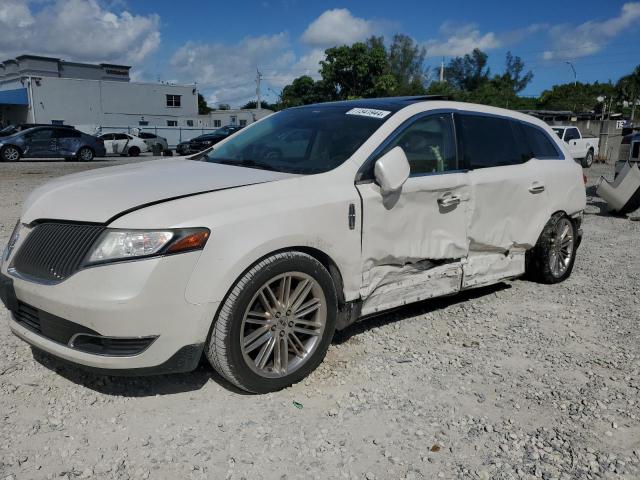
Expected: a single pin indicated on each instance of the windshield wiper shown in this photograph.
(248, 163)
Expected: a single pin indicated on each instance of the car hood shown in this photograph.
(102, 194)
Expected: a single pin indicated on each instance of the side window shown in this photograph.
(539, 143)
(120, 136)
(68, 133)
(572, 134)
(428, 144)
(41, 134)
(490, 141)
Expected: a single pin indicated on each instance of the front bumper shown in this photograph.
(120, 302)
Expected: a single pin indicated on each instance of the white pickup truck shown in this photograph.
(582, 148)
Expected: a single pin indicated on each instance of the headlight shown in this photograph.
(15, 235)
(206, 142)
(117, 245)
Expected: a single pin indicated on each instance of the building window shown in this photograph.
(217, 123)
(143, 123)
(234, 119)
(189, 123)
(243, 123)
(173, 100)
(172, 123)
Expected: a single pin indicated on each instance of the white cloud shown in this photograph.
(339, 27)
(79, 30)
(456, 40)
(227, 72)
(569, 41)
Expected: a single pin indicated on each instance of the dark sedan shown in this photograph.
(51, 141)
(206, 140)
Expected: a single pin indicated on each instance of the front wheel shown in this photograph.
(553, 257)
(276, 324)
(10, 154)
(588, 160)
(85, 154)
(134, 151)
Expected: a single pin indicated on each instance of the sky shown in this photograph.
(220, 44)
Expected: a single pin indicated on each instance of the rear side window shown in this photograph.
(488, 141)
(572, 134)
(541, 146)
(68, 133)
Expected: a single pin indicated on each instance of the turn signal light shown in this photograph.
(194, 241)
(584, 178)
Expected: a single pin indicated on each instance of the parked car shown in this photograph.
(255, 259)
(51, 141)
(582, 148)
(206, 140)
(151, 139)
(629, 151)
(123, 144)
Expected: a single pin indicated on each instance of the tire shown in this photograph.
(244, 316)
(133, 151)
(85, 154)
(550, 261)
(10, 154)
(588, 160)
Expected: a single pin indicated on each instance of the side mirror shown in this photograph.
(392, 170)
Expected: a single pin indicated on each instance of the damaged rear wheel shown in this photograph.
(552, 259)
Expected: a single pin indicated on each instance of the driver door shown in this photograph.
(413, 241)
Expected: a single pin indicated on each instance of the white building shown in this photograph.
(220, 118)
(37, 89)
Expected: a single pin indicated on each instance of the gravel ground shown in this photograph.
(518, 380)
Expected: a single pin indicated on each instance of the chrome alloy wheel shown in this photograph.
(11, 154)
(283, 324)
(562, 247)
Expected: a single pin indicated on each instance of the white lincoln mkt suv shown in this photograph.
(256, 252)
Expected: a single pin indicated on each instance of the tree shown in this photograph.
(469, 72)
(359, 70)
(224, 106)
(514, 73)
(628, 90)
(579, 97)
(406, 64)
(203, 107)
(263, 104)
(302, 91)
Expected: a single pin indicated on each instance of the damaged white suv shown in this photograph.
(298, 225)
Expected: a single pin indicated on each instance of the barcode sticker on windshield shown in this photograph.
(368, 112)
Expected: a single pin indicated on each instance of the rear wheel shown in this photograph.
(588, 160)
(10, 154)
(276, 324)
(553, 257)
(85, 154)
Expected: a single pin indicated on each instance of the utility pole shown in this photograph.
(442, 70)
(258, 79)
(575, 75)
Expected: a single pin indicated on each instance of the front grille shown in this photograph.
(54, 251)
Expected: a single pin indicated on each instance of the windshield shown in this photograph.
(303, 140)
(559, 132)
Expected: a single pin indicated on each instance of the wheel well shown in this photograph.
(14, 146)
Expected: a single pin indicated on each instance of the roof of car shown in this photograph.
(385, 103)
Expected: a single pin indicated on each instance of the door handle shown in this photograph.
(536, 188)
(448, 201)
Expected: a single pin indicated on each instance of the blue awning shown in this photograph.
(18, 96)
